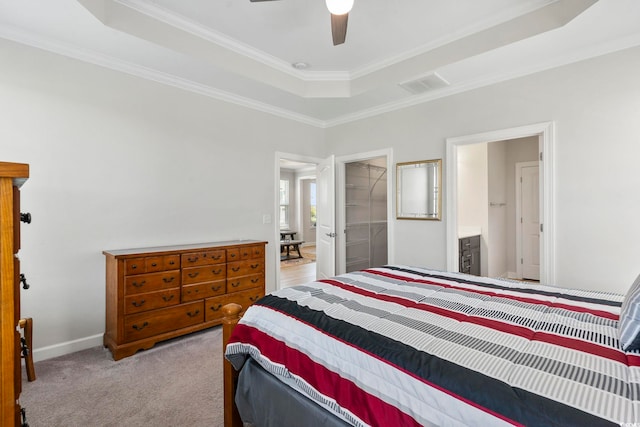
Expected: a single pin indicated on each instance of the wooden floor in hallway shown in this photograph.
(298, 273)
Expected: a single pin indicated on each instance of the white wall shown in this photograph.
(473, 196)
(120, 162)
(595, 105)
(497, 209)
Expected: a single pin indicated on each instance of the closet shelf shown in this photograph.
(366, 223)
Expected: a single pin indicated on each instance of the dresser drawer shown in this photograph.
(151, 264)
(148, 324)
(202, 290)
(137, 303)
(248, 252)
(194, 259)
(151, 282)
(245, 282)
(213, 306)
(203, 274)
(245, 268)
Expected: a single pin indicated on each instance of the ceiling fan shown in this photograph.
(339, 10)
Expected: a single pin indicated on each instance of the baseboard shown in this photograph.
(67, 347)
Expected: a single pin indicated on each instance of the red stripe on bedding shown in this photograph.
(369, 408)
(583, 346)
(528, 300)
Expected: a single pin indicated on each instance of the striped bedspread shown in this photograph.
(405, 346)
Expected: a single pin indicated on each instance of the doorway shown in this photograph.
(365, 213)
(544, 134)
(364, 203)
(489, 206)
(295, 225)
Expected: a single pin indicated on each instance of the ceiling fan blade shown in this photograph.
(339, 28)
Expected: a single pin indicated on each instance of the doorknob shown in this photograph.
(331, 234)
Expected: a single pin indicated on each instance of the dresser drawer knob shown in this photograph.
(217, 307)
(216, 272)
(139, 285)
(255, 265)
(138, 304)
(216, 288)
(172, 262)
(25, 217)
(139, 328)
(168, 279)
(23, 280)
(235, 269)
(255, 280)
(167, 298)
(192, 259)
(217, 257)
(255, 298)
(235, 284)
(194, 275)
(154, 264)
(232, 255)
(193, 314)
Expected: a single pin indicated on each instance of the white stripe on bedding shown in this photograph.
(369, 373)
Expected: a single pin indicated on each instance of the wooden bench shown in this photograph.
(290, 245)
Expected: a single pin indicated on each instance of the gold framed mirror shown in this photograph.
(419, 190)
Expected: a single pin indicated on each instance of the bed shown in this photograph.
(408, 346)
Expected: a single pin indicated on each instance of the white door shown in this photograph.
(326, 219)
(530, 222)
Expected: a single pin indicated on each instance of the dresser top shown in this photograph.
(180, 248)
(18, 171)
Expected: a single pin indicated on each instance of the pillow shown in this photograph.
(629, 323)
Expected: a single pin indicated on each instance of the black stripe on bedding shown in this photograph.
(494, 286)
(516, 404)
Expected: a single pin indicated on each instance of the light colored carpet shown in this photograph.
(176, 383)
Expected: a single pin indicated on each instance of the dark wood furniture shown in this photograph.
(26, 325)
(469, 255)
(288, 246)
(291, 234)
(153, 294)
(12, 176)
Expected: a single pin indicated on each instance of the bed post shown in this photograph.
(231, 314)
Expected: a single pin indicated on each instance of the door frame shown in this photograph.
(341, 248)
(546, 146)
(276, 200)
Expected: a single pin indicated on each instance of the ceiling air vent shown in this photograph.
(425, 84)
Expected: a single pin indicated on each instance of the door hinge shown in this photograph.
(541, 228)
(540, 156)
(521, 261)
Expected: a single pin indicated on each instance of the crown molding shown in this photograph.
(136, 70)
(115, 64)
(586, 53)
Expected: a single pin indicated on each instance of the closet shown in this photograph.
(365, 214)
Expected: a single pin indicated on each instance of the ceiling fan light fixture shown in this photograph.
(339, 7)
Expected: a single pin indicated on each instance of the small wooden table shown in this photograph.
(290, 245)
(284, 234)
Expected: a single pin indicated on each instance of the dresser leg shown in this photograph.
(27, 325)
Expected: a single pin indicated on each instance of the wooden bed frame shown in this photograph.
(232, 313)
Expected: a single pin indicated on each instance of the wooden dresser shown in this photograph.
(12, 176)
(154, 294)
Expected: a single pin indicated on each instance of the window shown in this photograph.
(284, 203)
(312, 203)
